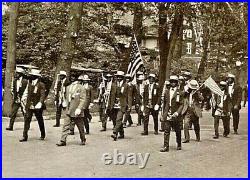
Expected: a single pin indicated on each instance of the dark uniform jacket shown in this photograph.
(120, 93)
(176, 103)
(236, 95)
(17, 96)
(226, 103)
(155, 95)
(197, 98)
(35, 94)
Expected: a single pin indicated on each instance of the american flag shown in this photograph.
(135, 58)
(212, 85)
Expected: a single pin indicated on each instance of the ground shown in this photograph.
(225, 157)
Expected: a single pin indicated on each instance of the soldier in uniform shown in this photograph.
(235, 93)
(104, 95)
(165, 86)
(192, 110)
(18, 87)
(173, 105)
(119, 103)
(139, 88)
(128, 117)
(222, 111)
(76, 97)
(150, 106)
(34, 96)
(59, 89)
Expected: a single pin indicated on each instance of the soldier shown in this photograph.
(89, 102)
(18, 87)
(104, 95)
(165, 86)
(245, 90)
(192, 110)
(76, 97)
(59, 89)
(235, 93)
(119, 103)
(222, 111)
(130, 92)
(139, 88)
(34, 96)
(150, 106)
(173, 105)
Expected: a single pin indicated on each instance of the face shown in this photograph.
(62, 77)
(173, 84)
(17, 75)
(119, 78)
(222, 87)
(230, 80)
(186, 78)
(151, 80)
(33, 77)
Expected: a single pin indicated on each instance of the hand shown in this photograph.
(156, 108)
(96, 101)
(91, 105)
(38, 105)
(128, 110)
(64, 104)
(175, 115)
(236, 107)
(77, 112)
(55, 103)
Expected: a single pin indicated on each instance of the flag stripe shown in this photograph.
(212, 85)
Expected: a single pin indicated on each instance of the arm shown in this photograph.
(42, 92)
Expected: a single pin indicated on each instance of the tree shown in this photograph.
(11, 58)
(68, 47)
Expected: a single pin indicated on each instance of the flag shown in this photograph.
(212, 85)
(135, 58)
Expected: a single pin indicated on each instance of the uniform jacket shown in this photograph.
(176, 103)
(76, 99)
(116, 92)
(17, 96)
(236, 95)
(155, 95)
(35, 94)
(89, 96)
(226, 103)
(137, 95)
(197, 98)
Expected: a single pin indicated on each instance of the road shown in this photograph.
(225, 157)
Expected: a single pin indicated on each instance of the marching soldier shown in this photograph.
(89, 102)
(192, 110)
(104, 95)
(119, 103)
(222, 111)
(130, 92)
(18, 87)
(150, 100)
(59, 88)
(245, 90)
(235, 93)
(76, 97)
(165, 86)
(139, 88)
(172, 105)
(34, 96)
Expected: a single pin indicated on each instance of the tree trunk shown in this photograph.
(167, 47)
(11, 59)
(68, 49)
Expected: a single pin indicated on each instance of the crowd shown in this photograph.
(177, 106)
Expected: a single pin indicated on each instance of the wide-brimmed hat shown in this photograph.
(181, 78)
(223, 83)
(152, 75)
(35, 72)
(20, 70)
(173, 78)
(84, 77)
(108, 75)
(193, 84)
(119, 73)
(63, 73)
(229, 75)
(187, 73)
(167, 82)
(140, 78)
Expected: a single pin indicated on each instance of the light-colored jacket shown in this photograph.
(76, 97)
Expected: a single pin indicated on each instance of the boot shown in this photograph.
(164, 149)
(61, 143)
(144, 133)
(9, 129)
(198, 139)
(103, 129)
(114, 136)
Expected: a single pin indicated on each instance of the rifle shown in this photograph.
(107, 95)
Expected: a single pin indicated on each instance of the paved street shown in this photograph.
(225, 157)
